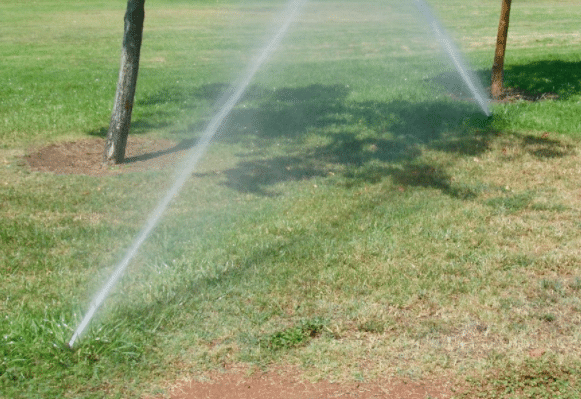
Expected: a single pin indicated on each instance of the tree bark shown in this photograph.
(121, 116)
(496, 87)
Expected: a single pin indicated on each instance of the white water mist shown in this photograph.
(454, 53)
(192, 159)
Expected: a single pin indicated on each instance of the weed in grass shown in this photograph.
(372, 326)
(548, 317)
(292, 337)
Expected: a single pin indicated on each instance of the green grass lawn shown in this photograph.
(356, 217)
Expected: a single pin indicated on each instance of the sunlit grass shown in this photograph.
(353, 217)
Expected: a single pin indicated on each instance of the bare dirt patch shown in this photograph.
(85, 157)
(236, 383)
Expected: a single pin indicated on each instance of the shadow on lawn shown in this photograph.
(316, 131)
(538, 79)
(562, 78)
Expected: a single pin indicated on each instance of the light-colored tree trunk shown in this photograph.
(121, 116)
(496, 88)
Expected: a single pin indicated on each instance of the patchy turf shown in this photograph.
(356, 222)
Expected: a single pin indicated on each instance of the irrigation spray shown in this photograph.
(192, 159)
(196, 153)
(455, 55)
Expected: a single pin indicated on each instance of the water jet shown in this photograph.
(187, 168)
(455, 56)
(197, 152)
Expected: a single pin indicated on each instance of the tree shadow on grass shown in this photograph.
(562, 78)
(182, 145)
(297, 133)
(538, 80)
(425, 175)
(322, 133)
(544, 147)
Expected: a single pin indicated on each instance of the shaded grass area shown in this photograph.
(354, 217)
(548, 76)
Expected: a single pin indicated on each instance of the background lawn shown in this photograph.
(357, 216)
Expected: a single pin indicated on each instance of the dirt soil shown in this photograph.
(287, 384)
(85, 157)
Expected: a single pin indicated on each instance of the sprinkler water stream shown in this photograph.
(455, 55)
(196, 153)
(192, 159)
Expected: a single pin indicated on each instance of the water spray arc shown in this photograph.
(196, 153)
(192, 159)
(454, 54)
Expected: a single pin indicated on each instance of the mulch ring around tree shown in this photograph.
(85, 157)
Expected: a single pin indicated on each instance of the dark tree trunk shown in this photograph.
(121, 116)
(498, 65)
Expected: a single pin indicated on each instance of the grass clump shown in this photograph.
(295, 336)
(36, 358)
